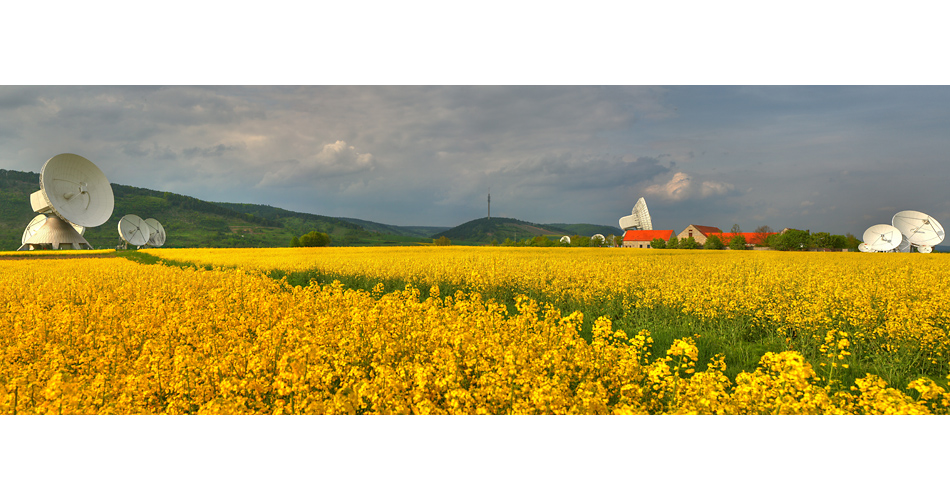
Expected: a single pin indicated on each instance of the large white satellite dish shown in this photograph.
(882, 237)
(919, 228)
(156, 236)
(75, 190)
(864, 248)
(639, 219)
(75, 193)
(133, 230)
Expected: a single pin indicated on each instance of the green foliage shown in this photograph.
(851, 242)
(793, 239)
(658, 243)
(315, 239)
(673, 243)
(295, 241)
(713, 242)
(688, 244)
(441, 241)
(737, 242)
(541, 241)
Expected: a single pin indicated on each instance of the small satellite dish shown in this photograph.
(882, 237)
(133, 230)
(156, 236)
(864, 248)
(566, 239)
(638, 219)
(925, 249)
(75, 190)
(599, 237)
(919, 228)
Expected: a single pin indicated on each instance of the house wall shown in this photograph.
(695, 233)
(636, 244)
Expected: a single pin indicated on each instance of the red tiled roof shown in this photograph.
(706, 230)
(663, 234)
(750, 238)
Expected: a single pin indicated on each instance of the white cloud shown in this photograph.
(333, 160)
(682, 187)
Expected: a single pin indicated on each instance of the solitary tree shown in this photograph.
(736, 228)
(713, 242)
(763, 232)
(737, 242)
(315, 239)
(295, 241)
(442, 241)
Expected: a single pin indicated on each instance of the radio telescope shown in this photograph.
(566, 239)
(133, 230)
(74, 194)
(156, 236)
(882, 238)
(864, 248)
(919, 228)
(639, 219)
(599, 237)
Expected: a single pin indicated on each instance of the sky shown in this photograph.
(824, 158)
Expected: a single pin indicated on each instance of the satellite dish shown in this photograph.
(156, 236)
(566, 239)
(925, 249)
(882, 237)
(75, 190)
(32, 227)
(864, 248)
(638, 219)
(133, 230)
(904, 246)
(599, 237)
(919, 228)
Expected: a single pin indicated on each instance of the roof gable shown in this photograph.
(706, 230)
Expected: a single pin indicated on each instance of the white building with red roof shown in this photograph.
(642, 239)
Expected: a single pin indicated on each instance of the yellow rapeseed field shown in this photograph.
(891, 303)
(109, 336)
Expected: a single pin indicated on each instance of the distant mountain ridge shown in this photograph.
(498, 229)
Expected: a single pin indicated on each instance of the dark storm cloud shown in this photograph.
(785, 156)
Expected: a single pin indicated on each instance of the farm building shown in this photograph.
(699, 233)
(642, 239)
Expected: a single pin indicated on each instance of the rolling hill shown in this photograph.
(191, 222)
